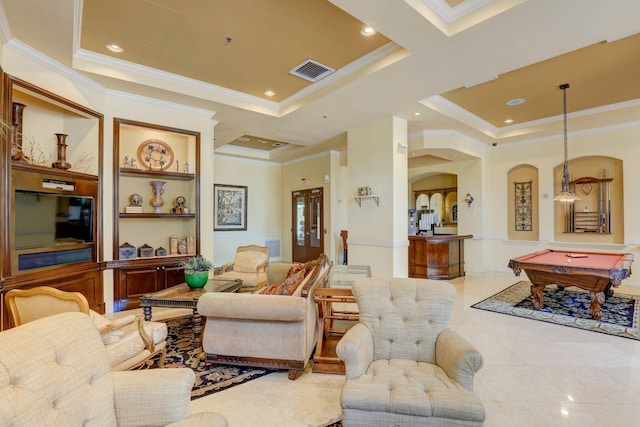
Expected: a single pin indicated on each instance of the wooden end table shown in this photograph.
(182, 296)
(333, 322)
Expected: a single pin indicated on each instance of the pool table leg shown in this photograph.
(597, 299)
(538, 296)
(608, 292)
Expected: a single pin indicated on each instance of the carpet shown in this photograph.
(184, 349)
(569, 307)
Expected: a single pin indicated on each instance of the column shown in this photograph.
(377, 158)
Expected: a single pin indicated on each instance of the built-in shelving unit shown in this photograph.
(151, 159)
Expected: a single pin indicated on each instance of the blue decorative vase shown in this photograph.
(197, 280)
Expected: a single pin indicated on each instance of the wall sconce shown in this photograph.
(469, 199)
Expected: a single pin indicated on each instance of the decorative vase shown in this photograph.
(62, 152)
(17, 155)
(197, 279)
(157, 201)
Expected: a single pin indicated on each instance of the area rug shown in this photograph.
(184, 349)
(569, 307)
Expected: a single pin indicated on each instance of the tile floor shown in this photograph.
(535, 374)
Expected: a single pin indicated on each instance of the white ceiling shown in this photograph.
(430, 54)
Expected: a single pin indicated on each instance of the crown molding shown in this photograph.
(235, 158)
(161, 103)
(5, 29)
(140, 74)
(53, 65)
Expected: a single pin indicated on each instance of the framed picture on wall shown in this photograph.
(229, 207)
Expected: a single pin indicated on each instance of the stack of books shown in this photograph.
(133, 209)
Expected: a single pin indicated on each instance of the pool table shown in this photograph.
(595, 272)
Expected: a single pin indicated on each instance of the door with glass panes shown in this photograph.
(307, 224)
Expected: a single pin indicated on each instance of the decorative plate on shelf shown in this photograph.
(155, 154)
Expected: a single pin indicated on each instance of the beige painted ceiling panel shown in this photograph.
(245, 45)
(600, 74)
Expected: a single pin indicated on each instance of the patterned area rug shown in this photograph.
(184, 349)
(569, 307)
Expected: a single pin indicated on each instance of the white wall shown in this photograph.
(264, 206)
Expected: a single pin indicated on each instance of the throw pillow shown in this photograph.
(293, 270)
(289, 286)
(309, 265)
(271, 289)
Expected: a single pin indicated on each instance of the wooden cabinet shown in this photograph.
(134, 282)
(156, 197)
(437, 257)
(50, 197)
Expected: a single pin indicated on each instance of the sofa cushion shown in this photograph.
(103, 324)
(248, 261)
(411, 388)
(127, 346)
(157, 331)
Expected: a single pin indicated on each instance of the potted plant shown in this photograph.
(196, 271)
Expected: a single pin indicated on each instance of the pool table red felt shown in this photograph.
(595, 272)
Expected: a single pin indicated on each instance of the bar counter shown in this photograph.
(440, 256)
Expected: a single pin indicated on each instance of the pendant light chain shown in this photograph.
(565, 178)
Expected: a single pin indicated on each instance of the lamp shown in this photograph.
(468, 199)
(565, 195)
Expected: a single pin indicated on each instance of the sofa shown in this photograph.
(266, 328)
(55, 371)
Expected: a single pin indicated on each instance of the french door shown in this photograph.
(307, 224)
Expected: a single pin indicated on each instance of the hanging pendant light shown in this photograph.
(565, 195)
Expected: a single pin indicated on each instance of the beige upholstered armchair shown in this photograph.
(403, 365)
(129, 340)
(55, 372)
(250, 265)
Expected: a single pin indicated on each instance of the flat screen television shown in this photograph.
(52, 229)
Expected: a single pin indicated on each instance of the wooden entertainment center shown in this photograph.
(51, 213)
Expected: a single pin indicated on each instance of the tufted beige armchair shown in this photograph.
(403, 365)
(55, 372)
(250, 265)
(129, 340)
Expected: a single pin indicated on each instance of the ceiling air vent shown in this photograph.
(312, 70)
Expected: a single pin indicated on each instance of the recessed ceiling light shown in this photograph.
(244, 139)
(269, 93)
(416, 113)
(367, 31)
(115, 48)
(278, 144)
(262, 141)
(508, 121)
(515, 101)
